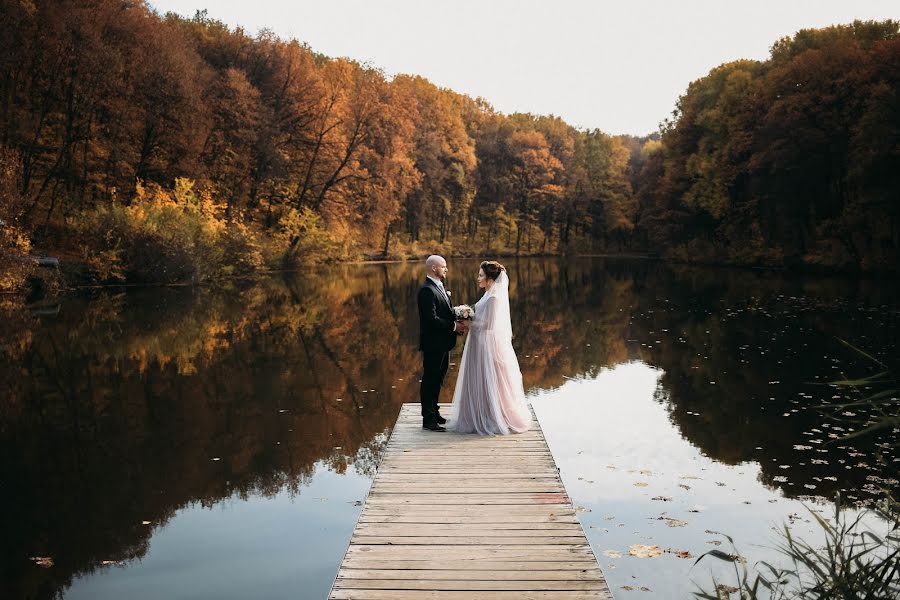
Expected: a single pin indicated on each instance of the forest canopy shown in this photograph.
(149, 147)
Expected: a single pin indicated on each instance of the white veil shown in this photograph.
(497, 317)
(489, 397)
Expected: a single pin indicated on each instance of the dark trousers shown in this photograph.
(435, 365)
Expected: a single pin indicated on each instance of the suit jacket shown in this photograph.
(436, 321)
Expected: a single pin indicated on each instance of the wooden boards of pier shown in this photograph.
(454, 517)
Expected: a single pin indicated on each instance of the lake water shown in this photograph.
(193, 443)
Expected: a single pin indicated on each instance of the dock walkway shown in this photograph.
(453, 516)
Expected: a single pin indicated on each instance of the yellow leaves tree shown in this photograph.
(534, 171)
(444, 156)
(14, 242)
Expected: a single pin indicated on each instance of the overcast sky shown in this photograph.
(617, 66)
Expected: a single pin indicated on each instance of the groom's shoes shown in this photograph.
(433, 427)
(441, 420)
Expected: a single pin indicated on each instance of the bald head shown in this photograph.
(436, 266)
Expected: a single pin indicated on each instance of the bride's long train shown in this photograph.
(489, 396)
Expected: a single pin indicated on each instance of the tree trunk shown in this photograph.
(387, 240)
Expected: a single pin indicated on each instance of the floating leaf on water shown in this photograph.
(727, 589)
(662, 498)
(612, 554)
(42, 561)
(641, 484)
(679, 553)
(673, 522)
(643, 551)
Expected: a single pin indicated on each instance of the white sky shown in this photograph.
(618, 66)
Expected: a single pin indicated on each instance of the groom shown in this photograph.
(437, 336)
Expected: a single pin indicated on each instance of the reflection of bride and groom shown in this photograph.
(489, 397)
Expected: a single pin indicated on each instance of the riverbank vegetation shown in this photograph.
(145, 147)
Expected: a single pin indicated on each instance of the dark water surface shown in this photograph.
(177, 443)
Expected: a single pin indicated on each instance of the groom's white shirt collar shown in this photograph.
(436, 280)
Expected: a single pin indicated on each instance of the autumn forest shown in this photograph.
(156, 148)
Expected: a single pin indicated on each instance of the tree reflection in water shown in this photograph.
(126, 407)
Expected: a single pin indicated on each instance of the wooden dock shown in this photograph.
(453, 516)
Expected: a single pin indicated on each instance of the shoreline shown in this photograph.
(38, 281)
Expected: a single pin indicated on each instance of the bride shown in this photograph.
(489, 396)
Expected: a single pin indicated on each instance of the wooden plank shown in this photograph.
(470, 566)
(457, 517)
(466, 585)
(436, 499)
(448, 529)
(485, 521)
(395, 476)
(463, 488)
(465, 540)
(515, 509)
(482, 552)
(462, 574)
(472, 510)
(345, 594)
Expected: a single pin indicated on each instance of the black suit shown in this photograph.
(437, 336)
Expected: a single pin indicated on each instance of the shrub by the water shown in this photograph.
(166, 236)
(14, 242)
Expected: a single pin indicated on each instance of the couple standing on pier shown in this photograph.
(489, 397)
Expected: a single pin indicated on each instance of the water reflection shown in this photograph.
(123, 408)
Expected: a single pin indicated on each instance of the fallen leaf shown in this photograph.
(727, 589)
(43, 561)
(643, 551)
(672, 522)
(612, 554)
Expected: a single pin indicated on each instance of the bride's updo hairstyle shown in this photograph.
(492, 269)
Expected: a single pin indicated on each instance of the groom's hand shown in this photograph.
(460, 327)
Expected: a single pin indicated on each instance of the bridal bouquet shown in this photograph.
(463, 312)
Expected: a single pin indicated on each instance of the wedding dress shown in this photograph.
(489, 397)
